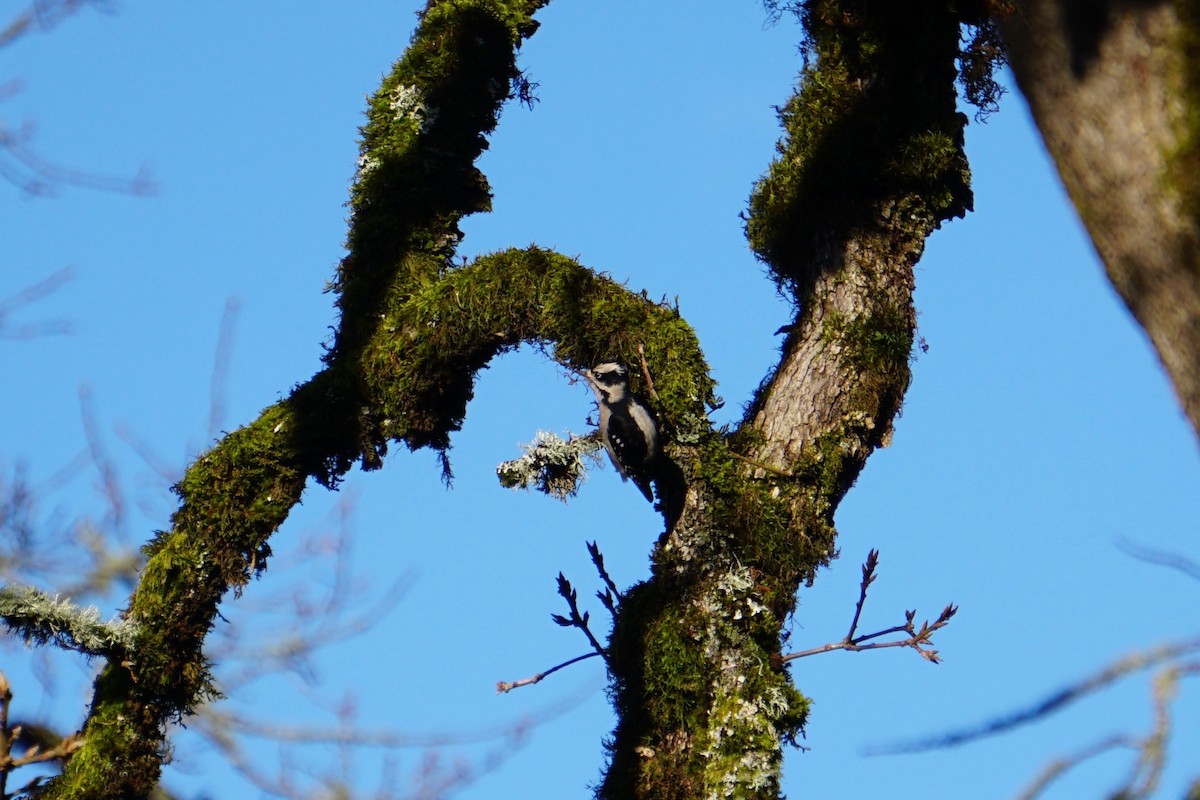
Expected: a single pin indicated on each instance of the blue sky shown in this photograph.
(1038, 431)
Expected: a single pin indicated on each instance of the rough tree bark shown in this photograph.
(1114, 87)
(871, 165)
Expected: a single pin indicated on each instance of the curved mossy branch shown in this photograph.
(417, 375)
(419, 368)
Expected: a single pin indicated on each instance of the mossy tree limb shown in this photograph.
(416, 179)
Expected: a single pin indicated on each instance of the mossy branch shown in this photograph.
(414, 331)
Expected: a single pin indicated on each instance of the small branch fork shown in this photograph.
(576, 620)
(646, 373)
(919, 640)
(1151, 749)
(33, 753)
(610, 597)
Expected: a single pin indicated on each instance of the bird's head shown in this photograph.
(609, 382)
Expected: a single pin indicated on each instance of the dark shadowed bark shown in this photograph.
(1115, 90)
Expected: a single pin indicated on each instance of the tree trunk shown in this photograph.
(872, 164)
(1115, 90)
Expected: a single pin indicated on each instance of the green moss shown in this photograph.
(874, 119)
(874, 342)
(676, 674)
(416, 179)
(418, 372)
(697, 689)
(117, 732)
(1183, 165)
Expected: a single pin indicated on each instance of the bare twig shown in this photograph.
(504, 687)
(868, 577)
(611, 596)
(29, 295)
(43, 14)
(576, 620)
(919, 640)
(646, 373)
(1161, 558)
(37, 175)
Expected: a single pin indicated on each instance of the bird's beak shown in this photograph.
(595, 384)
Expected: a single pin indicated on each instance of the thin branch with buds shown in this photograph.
(504, 687)
(919, 640)
(611, 596)
(576, 619)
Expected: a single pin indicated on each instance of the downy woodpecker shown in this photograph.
(627, 426)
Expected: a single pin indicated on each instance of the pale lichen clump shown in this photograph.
(750, 708)
(39, 618)
(408, 102)
(367, 163)
(551, 464)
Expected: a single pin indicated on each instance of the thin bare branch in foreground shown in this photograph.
(1060, 766)
(1162, 558)
(1135, 662)
(43, 15)
(35, 174)
(28, 296)
(1146, 772)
